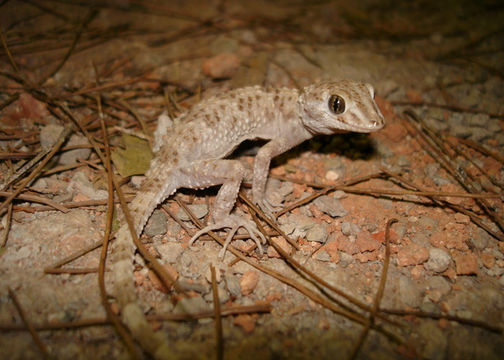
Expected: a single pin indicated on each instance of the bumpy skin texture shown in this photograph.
(192, 153)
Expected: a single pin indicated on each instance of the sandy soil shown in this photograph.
(445, 282)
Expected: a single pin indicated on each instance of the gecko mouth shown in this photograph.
(373, 126)
(377, 125)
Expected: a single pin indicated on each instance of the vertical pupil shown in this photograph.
(336, 104)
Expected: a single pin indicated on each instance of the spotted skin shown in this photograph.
(192, 154)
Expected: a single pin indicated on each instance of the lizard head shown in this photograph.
(345, 105)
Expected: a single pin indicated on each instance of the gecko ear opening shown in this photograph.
(336, 104)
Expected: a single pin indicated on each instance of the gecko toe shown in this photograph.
(204, 230)
(267, 208)
(234, 223)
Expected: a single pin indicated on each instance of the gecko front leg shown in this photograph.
(261, 168)
(229, 173)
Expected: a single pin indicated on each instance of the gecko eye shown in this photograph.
(337, 104)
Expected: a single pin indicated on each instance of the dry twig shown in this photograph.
(218, 319)
(437, 150)
(111, 316)
(379, 294)
(29, 325)
(316, 297)
(60, 325)
(64, 134)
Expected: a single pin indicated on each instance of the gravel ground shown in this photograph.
(442, 62)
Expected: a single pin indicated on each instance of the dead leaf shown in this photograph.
(134, 159)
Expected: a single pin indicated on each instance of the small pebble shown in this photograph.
(438, 261)
(49, 135)
(199, 210)
(322, 255)
(221, 66)
(330, 206)
(248, 282)
(170, 252)
(466, 264)
(317, 233)
(348, 228)
(156, 224)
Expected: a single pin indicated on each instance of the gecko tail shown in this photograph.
(123, 289)
(145, 202)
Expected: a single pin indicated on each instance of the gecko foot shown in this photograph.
(233, 222)
(266, 208)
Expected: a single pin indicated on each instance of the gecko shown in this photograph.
(192, 151)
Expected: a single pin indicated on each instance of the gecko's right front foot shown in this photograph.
(264, 205)
(233, 222)
(266, 208)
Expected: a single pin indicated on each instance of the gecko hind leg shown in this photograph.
(229, 174)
